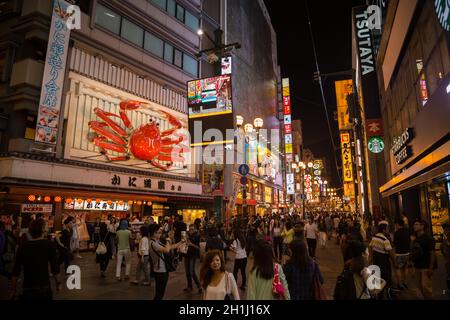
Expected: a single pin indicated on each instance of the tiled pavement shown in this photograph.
(95, 287)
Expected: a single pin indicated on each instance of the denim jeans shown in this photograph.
(189, 266)
(143, 265)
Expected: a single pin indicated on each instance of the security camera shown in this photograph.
(212, 58)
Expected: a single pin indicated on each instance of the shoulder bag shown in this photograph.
(101, 248)
(277, 286)
(228, 294)
(168, 259)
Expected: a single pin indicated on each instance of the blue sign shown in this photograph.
(303, 196)
(244, 169)
(244, 181)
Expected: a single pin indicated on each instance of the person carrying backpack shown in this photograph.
(351, 283)
(162, 265)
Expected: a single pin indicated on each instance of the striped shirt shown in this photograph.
(380, 244)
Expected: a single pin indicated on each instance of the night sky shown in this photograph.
(331, 22)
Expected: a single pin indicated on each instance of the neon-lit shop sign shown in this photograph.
(400, 148)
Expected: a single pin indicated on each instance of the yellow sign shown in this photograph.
(268, 194)
(347, 162)
(349, 190)
(285, 84)
(343, 89)
(289, 148)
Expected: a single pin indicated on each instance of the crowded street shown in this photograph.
(225, 150)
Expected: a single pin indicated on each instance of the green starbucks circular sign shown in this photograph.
(443, 13)
(376, 145)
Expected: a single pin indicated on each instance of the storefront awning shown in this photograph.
(403, 181)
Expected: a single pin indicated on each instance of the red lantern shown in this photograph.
(69, 200)
(139, 203)
(130, 202)
(88, 200)
(80, 201)
(98, 200)
(109, 202)
(57, 199)
(31, 197)
(121, 203)
(149, 203)
(47, 199)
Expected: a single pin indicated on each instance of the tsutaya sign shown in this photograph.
(364, 41)
(54, 71)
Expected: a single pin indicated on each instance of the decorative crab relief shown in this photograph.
(130, 133)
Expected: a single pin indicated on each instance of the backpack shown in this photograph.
(345, 286)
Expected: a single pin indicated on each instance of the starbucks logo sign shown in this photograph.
(443, 13)
(376, 145)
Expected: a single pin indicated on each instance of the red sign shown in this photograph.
(374, 127)
(287, 101)
(288, 128)
(345, 138)
(287, 110)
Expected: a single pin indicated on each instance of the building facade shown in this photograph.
(414, 80)
(122, 80)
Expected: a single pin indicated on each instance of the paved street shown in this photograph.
(95, 287)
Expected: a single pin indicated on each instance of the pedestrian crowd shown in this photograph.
(274, 256)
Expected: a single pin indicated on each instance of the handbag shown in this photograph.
(277, 286)
(169, 260)
(318, 293)
(101, 248)
(228, 294)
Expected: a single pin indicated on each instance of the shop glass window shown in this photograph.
(2, 63)
(168, 53)
(191, 21)
(132, 32)
(154, 45)
(438, 204)
(171, 7)
(190, 65)
(178, 58)
(180, 13)
(160, 3)
(107, 19)
(422, 82)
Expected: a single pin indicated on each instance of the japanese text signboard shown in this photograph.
(347, 162)
(53, 79)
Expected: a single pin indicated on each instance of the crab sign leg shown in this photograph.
(128, 105)
(168, 142)
(170, 158)
(174, 122)
(106, 117)
(156, 164)
(105, 146)
(174, 149)
(101, 129)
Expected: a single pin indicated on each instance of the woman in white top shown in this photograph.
(217, 283)
(143, 256)
(75, 240)
(240, 262)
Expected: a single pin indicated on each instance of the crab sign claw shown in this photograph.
(129, 105)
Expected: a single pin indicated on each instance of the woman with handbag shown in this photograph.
(103, 251)
(161, 265)
(303, 274)
(218, 284)
(266, 280)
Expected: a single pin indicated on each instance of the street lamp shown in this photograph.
(258, 123)
(239, 121)
(310, 165)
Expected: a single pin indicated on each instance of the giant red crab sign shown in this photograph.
(145, 143)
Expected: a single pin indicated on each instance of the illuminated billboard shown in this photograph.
(210, 110)
(210, 97)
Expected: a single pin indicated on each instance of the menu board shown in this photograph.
(96, 206)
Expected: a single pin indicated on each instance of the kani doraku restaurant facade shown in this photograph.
(77, 112)
(414, 75)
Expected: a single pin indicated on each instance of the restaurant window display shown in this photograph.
(190, 215)
(438, 203)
